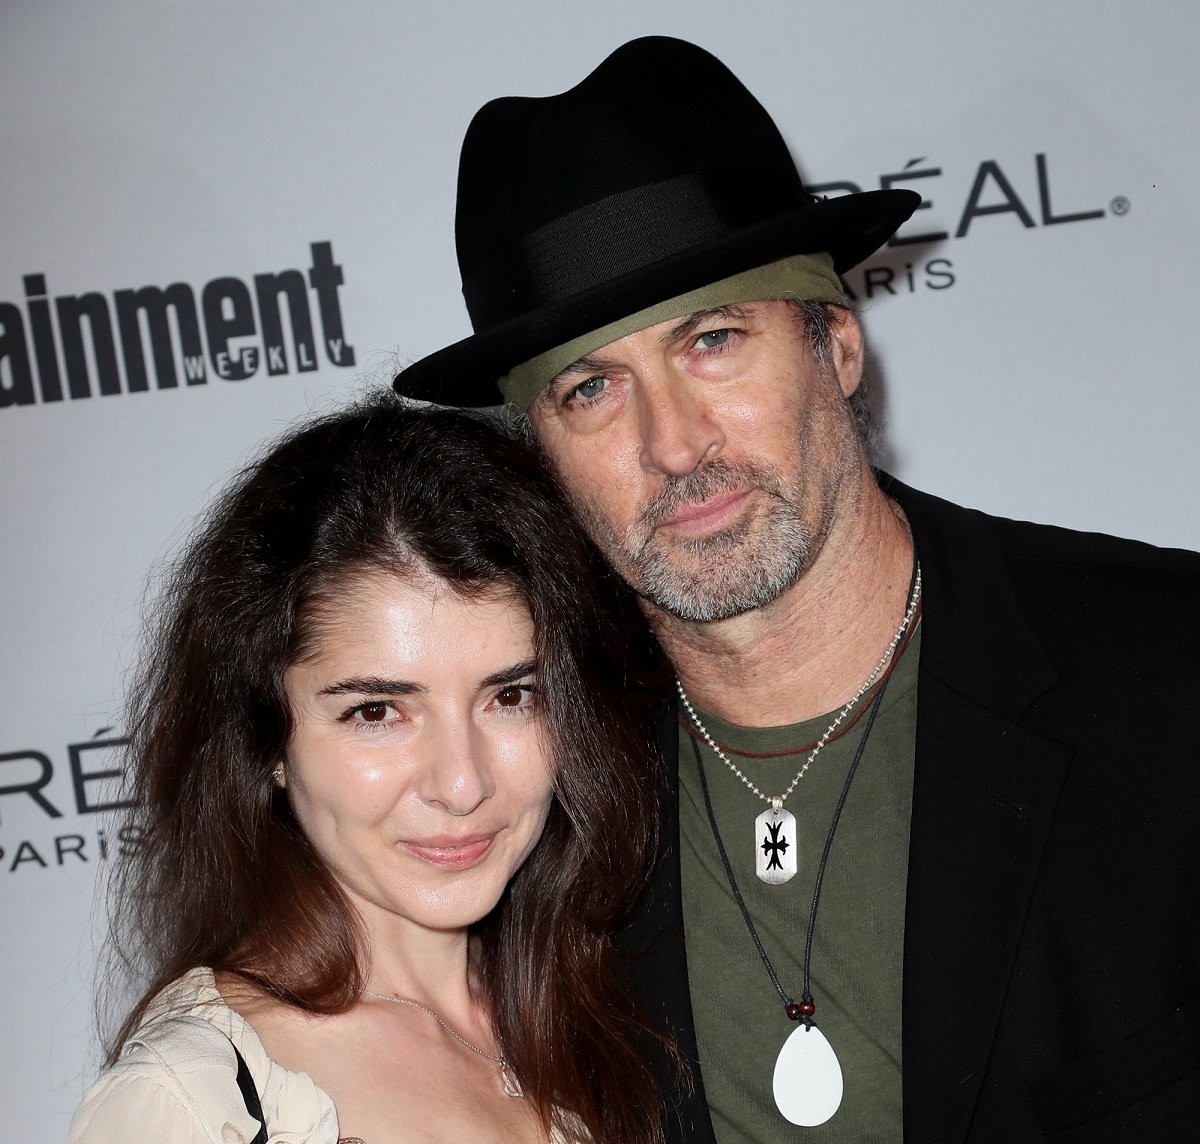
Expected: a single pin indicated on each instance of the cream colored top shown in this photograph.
(176, 1081)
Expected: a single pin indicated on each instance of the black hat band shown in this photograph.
(623, 234)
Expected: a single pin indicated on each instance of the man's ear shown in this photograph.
(846, 349)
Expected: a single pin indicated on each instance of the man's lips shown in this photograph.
(451, 853)
(712, 513)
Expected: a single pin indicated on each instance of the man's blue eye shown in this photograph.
(593, 387)
(713, 338)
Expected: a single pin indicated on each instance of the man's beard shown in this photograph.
(750, 563)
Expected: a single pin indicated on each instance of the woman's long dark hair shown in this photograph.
(225, 878)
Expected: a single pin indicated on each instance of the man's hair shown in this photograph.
(816, 321)
(222, 874)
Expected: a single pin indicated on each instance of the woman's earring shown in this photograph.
(278, 774)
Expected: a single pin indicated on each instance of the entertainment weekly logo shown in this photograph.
(67, 345)
(57, 808)
(963, 201)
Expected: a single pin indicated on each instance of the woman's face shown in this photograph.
(418, 767)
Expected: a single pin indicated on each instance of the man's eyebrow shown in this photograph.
(373, 685)
(692, 322)
(591, 363)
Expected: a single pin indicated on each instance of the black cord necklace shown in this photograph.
(808, 1078)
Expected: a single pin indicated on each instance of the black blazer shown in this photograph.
(1052, 937)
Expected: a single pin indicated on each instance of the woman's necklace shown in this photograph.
(775, 850)
(512, 1086)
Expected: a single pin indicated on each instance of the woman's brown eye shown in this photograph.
(509, 697)
(373, 712)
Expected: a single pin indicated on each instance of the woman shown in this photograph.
(396, 792)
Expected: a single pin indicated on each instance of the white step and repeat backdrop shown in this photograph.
(279, 177)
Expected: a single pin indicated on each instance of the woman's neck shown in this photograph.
(434, 967)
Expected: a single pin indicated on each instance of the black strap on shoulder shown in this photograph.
(250, 1095)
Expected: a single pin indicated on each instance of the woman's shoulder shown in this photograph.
(176, 1078)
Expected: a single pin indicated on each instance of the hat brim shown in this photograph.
(849, 229)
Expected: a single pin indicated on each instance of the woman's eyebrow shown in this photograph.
(509, 674)
(373, 685)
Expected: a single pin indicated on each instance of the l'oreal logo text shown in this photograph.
(1024, 195)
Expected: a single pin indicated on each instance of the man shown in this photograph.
(930, 872)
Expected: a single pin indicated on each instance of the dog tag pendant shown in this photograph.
(808, 1078)
(775, 846)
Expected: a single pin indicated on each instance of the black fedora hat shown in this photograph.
(658, 174)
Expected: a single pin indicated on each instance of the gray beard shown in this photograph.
(747, 565)
(729, 573)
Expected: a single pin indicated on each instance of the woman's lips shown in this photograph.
(451, 853)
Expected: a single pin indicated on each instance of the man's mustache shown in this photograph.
(716, 476)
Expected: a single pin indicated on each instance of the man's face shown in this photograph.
(707, 456)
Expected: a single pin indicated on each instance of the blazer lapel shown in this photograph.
(984, 793)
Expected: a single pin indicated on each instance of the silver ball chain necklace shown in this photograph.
(775, 850)
(807, 1079)
(512, 1086)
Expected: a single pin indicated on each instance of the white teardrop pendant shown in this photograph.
(775, 846)
(808, 1078)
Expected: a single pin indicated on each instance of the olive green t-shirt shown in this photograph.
(859, 936)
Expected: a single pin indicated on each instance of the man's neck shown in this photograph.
(809, 651)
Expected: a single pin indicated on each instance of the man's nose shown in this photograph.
(678, 430)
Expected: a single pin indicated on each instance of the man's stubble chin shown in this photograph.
(731, 572)
(747, 565)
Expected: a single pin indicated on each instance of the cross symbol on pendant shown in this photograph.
(774, 846)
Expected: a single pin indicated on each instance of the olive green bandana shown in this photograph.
(804, 277)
